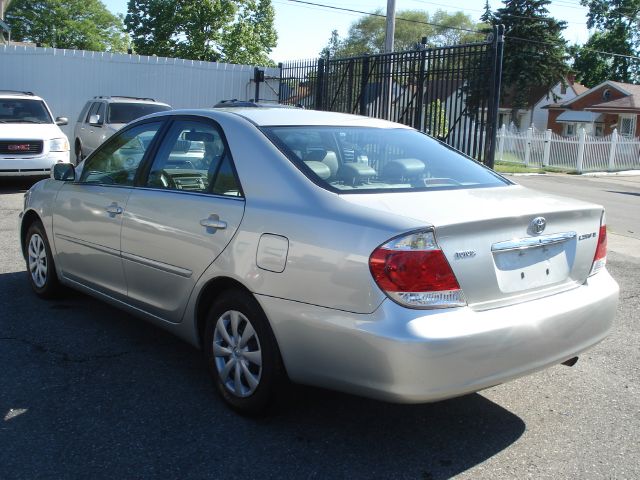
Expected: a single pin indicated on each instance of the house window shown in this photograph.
(563, 89)
(570, 129)
(599, 130)
(606, 95)
(627, 125)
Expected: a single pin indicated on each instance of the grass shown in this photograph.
(511, 164)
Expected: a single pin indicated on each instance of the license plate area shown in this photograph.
(533, 267)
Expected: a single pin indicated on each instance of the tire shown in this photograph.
(79, 155)
(243, 360)
(41, 269)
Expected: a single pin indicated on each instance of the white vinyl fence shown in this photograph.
(583, 153)
(66, 79)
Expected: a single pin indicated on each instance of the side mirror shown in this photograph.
(62, 121)
(94, 120)
(64, 172)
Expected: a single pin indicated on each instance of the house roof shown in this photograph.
(625, 103)
(625, 88)
(578, 88)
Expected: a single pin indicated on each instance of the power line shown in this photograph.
(542, 19)
(332, 7)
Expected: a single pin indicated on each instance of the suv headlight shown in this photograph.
(58, 145)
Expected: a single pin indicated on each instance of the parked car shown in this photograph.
(31, 141)
(102, 116)
(341, 251)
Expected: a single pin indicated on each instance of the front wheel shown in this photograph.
(40, 266)
(242, 353)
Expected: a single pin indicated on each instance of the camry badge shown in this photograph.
(465, 254)
(538, 225)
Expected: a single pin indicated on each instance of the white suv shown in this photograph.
(31, 142)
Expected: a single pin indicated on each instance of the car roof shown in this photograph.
(123, 99)
(6, 94)
(297, 116)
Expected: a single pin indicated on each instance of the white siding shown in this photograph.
(66, 79)
(541, 115)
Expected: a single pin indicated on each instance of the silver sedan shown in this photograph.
(333, 250)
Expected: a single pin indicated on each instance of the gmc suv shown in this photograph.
(31, 141)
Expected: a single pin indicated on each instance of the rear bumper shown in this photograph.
(412, 356)
(33, 166)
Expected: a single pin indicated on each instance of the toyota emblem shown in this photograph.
(538, 225)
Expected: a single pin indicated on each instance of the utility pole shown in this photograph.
(391, 26)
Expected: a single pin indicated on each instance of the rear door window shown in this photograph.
(194, 157)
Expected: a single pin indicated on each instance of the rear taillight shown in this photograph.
(600, 258)
(413, 271)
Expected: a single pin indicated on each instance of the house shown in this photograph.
(539, 98)
(599, 110)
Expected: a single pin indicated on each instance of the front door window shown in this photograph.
(117, 161)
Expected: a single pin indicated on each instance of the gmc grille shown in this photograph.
(21, 147)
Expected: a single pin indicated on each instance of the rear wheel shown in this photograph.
(40, 266)
(242, 353)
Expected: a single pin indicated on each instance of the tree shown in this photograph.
(366, 35)
(487, 15)
(535, 54)
(233, 31)
(617, 31)
(79, 24)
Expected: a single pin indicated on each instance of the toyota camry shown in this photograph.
(333, 250)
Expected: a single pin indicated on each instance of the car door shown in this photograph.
(87, 215)
(184, 213)
(95, 134)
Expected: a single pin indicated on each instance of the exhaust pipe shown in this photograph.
(571, 362)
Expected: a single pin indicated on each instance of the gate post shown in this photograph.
(364, 79)
(527, 147)
(582, 134)
(494, 105)
(280, 87)
(612, 150)
(320, 84)
(503, 134)
(419, 114)
(547, 148)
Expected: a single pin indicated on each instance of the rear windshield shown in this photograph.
(364, 159)
(23, 111)
(128, 112)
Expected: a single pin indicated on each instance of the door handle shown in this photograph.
(114, 209)
(213, 222)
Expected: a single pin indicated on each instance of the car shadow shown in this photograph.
(635, 194)
(18, 184)
(90, 392)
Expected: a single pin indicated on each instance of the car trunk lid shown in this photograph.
(504, 244)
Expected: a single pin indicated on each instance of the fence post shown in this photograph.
(582, 135)
(547, 148)
(364, 79)
(280, 84)
(494, 88)
(501, 139)
(612, 150)
(527, 147)
(320, 83)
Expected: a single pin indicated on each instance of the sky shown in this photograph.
(303, 30)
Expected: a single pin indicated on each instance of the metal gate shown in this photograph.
(448, 92)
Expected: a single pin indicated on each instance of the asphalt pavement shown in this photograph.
(87, 391)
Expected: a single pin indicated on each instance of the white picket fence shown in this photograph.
(584, 153)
